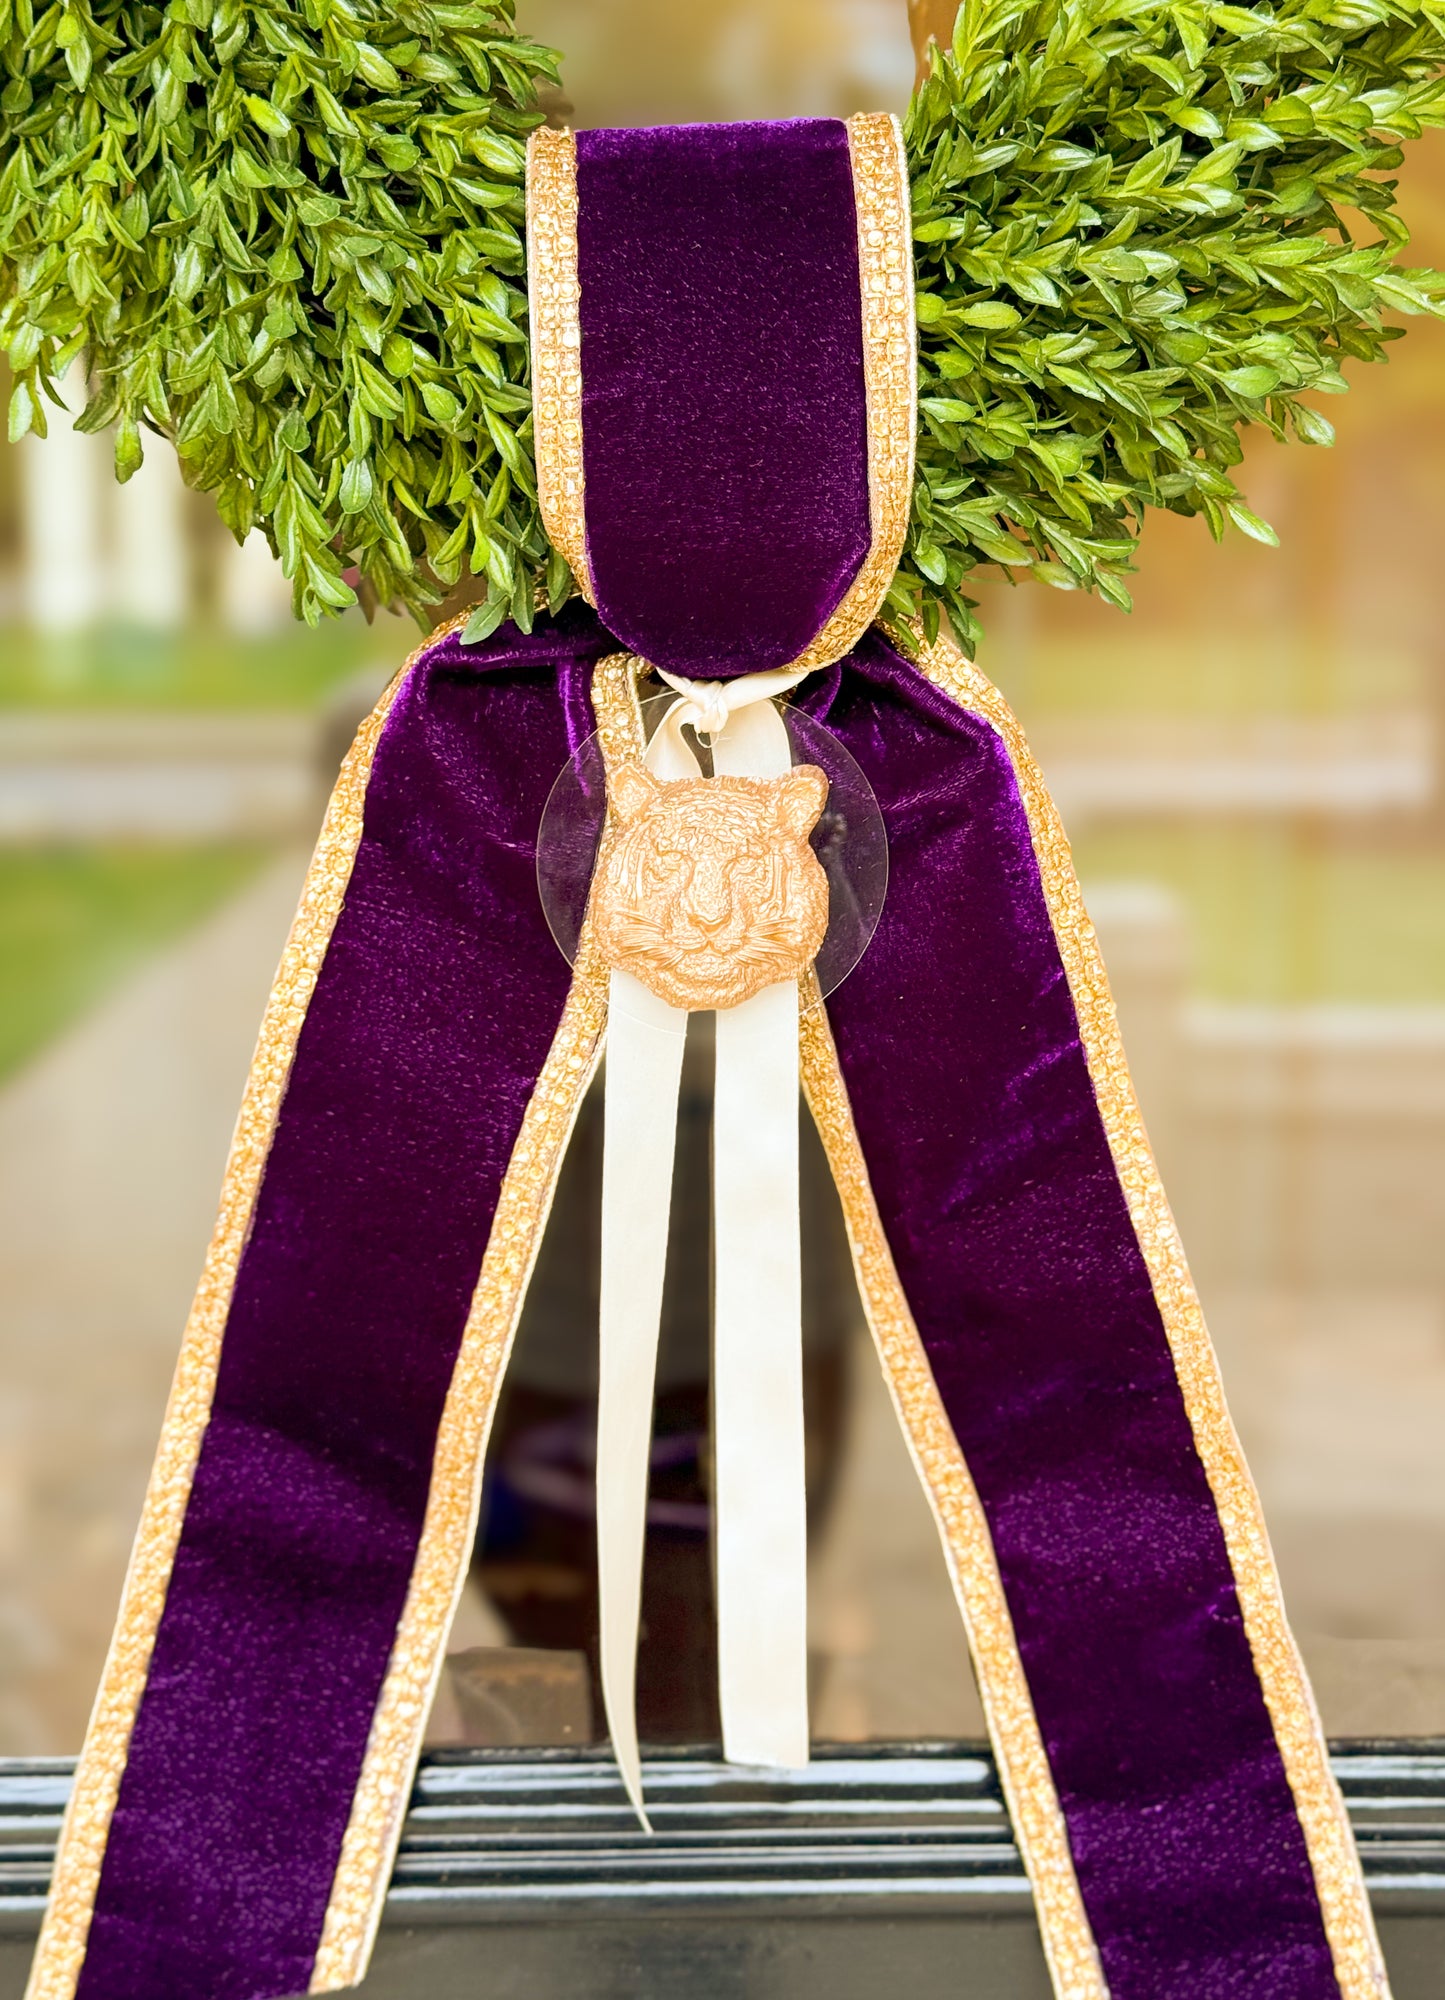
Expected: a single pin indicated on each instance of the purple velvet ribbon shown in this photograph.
(724, 426)
(437, 1001)
(959, 1044)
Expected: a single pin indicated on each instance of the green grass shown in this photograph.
(1279, 915)
(292, 667)
(74, 921)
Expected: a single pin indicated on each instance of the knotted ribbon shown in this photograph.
(758, 1482)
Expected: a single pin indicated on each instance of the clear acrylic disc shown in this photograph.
(849, 839)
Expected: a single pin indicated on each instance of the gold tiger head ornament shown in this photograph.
(706, 888)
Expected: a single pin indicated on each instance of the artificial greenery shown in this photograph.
(1139, 227)
(287, 233)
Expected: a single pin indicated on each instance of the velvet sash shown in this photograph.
(244, 1779)
(436, 1001)
(719, 336)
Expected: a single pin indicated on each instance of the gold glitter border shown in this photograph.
(1023, 1764)
(553, 302)
(890, 372)
(1344, 1903)
(80, 1855)
(368, 1850)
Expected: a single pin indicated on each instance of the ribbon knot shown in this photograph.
(706, 706)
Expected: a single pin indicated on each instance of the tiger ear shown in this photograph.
(632, 788)
(802, 796)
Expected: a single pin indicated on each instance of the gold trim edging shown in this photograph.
(60, 1952)
(1023, 1763)
(890, 361)
(1344, 1902)
(368, 1850)
(553, 302)
(890, 373)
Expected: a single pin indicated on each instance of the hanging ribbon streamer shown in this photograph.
(759, 1487)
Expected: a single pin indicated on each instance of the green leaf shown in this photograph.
(559, 581)
(1256, 380)
(1311, 426)
(948, 409)
(374, 67)
(1184, 346)
(328, 586)
(190, 272)
(484, 620)
(24, 345)
(128, 454)
(1259, 531)
(1121, 264)
(441, 404)
(356, 486)
(22, 411)
(266, 117)
(995, 315)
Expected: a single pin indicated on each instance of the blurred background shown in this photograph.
(1250, 768)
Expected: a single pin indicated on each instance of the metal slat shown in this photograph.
(523, 1876)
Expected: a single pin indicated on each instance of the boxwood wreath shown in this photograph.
(287, 234)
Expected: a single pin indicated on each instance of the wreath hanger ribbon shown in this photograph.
(757, 1382)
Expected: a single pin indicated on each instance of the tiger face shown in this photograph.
(706, 888)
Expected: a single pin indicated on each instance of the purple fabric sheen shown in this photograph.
(439, 996)
(959, 1043)
(724, 420)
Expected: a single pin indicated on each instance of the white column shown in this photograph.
(254, 594)
(62, 483)
(150, 567)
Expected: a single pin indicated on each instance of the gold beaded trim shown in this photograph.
(1023, 1763)
(553, 301)
(368, 1849)
(890, 372)
(617, 709)
(60, 1952)
(890, 361)
(1344, 1904)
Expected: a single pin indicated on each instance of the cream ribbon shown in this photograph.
(760, 1536)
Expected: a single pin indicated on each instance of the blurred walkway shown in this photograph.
(111, 1151)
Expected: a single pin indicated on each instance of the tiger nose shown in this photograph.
(712, 904)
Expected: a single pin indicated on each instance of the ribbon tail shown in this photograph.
(762, 1560)
(760, 1486)
(644, 1074)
